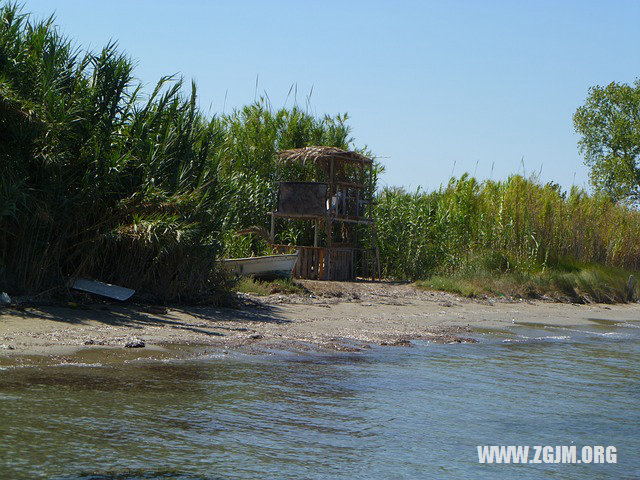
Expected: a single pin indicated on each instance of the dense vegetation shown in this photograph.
(99, 179)
(543, 239)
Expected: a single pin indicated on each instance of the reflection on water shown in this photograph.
(389, 413)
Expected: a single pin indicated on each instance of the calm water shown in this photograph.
(387, 413)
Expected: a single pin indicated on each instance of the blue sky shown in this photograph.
(432, 87)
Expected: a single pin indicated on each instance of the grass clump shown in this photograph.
(269, 287)
(568, 282)
(466, 287)
(591, 283)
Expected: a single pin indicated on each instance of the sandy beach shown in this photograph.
(331, 317)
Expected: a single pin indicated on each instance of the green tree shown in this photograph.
(609, 123)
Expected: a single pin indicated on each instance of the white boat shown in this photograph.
(265, 266)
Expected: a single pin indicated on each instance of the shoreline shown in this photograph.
(336, 317)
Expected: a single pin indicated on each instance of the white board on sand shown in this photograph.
(102, 289)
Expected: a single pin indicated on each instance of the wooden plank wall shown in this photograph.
(313, 262)
(344, 262)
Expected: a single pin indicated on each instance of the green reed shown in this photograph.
(101, 180)
(97, 179)
(517, 225)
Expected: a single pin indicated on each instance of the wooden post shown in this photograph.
(331, 185)
(329, 225)
(327, 257)
(370, 191)
(315, 233)
(360, 181)
(332, 192)
(352, 273)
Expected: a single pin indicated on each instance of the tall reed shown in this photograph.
(516, 225)
(99, 179)
(96, 179)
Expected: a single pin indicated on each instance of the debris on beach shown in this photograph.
(134, 343)
(5, 299)
(103, 289)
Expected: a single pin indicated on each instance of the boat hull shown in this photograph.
(266, 266)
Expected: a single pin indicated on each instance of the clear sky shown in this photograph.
(433, 87)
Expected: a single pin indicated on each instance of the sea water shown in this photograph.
(415, 412)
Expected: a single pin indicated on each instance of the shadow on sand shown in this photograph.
(198, 319)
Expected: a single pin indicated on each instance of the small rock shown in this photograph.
(135, 343)
(5, 299)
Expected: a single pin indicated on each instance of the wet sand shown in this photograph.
(331, 317)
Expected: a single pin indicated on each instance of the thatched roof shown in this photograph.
(321, 154)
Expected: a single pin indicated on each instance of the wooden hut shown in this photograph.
(339, 200)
